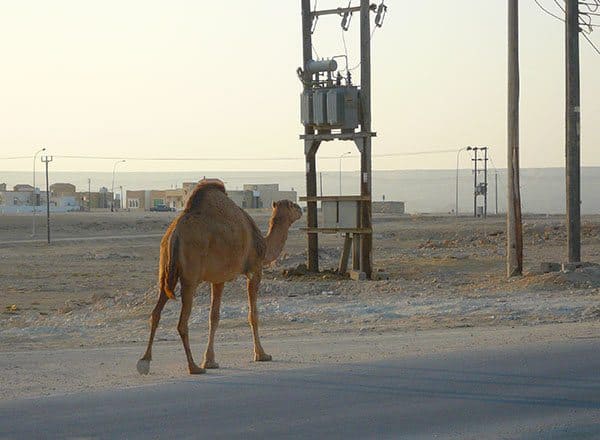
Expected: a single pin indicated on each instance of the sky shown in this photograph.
(188, 78)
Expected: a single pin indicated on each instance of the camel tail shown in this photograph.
(169, 272)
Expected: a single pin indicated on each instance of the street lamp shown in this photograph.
(112, 189)
(341, 157)
(457, 157)
(34, 196)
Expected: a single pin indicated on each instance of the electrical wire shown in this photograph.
(228, 159)
(589, 25)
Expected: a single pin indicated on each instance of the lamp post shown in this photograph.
(112, 189)
(341, 157)
(34, 196)
(457, 157)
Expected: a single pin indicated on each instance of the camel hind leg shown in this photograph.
(215, 311)
(187, 299)
(253, 284)
(143, 365)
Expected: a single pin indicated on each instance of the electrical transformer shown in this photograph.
(331, 107)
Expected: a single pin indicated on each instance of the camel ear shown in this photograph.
(274, 205)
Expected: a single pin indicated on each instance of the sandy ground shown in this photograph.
(67, 305)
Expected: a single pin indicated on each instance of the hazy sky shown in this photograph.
(217, 79)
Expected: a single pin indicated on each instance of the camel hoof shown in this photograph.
(197, 370)
(263, 357)
(210, 365)
(143, 366)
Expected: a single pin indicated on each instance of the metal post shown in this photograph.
(456, 202)
(496, 198)
(112, 189)
(47, 160)
(475, 184)
(514, 226)
(321, 183)
(341, 157)
(572, 147)
(485, 194)
(34, 194)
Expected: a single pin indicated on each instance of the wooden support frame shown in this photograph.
(361, 240)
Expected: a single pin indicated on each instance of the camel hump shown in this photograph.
(204, 186)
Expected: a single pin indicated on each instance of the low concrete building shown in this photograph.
(143, 200)
(265, 194)
(94, 200)
(175, 198)
(388, 207)
(23, 187)
(62, 190)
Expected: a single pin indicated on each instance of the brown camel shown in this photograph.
(214, 240)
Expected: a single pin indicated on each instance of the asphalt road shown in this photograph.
(549, 392)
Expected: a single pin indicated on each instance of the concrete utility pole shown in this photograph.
(514, 225)
(572, 144)
(47, 160)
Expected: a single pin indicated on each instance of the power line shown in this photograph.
(228, 159)
(592, 8)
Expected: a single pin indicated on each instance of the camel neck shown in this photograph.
(275, 239)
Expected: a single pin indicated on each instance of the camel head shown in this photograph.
(286, 211)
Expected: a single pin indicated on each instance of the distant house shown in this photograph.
(62, 189)
(23, 187)
(94, 200)
(250, 197)
(143, 200)
(264, 195)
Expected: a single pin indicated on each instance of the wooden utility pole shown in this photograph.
(514, 226)
(366, 240)
(310, 147)
(572, 144)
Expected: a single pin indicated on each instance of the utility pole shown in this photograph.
(514, 225)
(89, 195)
(321, 183)
(35, 195)
(572, 147)
(47, 160)
(496, 198)
(485, 185)
(475, 149)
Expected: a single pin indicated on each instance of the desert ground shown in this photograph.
(93, 289)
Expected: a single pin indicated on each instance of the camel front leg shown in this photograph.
(215, 309)
(253, 284)
(187, 299)
(143, 365)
